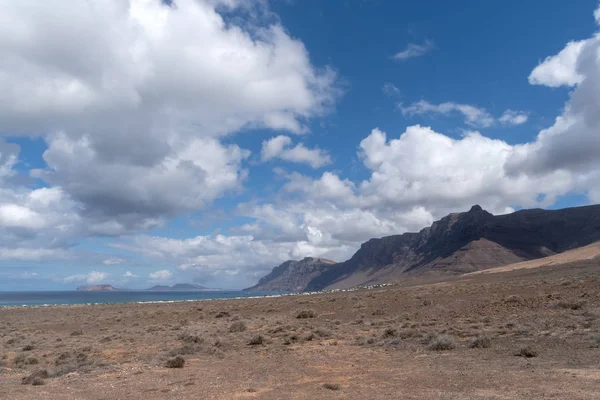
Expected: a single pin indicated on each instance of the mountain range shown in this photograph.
(458, 243)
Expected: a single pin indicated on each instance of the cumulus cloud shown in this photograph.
(162, 275)
(93, 277)
(281, 147)
(129, 274)
(510, 117)
(474, 116)
(133, 111)
(561, 69)
(572, 143)
(414, 50)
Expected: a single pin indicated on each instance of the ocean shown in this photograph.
(40, 298)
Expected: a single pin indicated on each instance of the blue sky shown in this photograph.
(212, 140)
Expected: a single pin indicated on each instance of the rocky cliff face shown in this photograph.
(465, 242)
(292, 276)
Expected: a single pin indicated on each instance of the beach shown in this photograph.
(521, 334)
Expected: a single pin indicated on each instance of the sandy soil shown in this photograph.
(395, 343)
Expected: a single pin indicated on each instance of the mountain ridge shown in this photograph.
(291, 275)
(459, 242)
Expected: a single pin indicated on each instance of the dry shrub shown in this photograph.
(238, 326)
(256, 340)
(332, 386)
(306, 314)
(481, 342)
(527, 352)
(441, 343)
(36, 377)
(175, 362)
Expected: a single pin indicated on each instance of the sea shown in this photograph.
(41, 298)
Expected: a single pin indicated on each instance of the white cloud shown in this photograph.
(281, 147)
(93, 277)
(129, 275)
(572, 144)
(510, 117)
(112, 261)
(414, 50)
(561, 69)
(391, 90)
(162, 275)
(474, 116)
(133, 111)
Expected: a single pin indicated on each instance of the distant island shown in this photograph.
(189, 287)
(181, 286)
(98, 288)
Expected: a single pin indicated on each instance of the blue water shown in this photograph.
(75, 297)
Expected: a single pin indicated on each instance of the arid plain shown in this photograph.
(524, 333)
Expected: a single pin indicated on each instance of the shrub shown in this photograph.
(441, 343)
(306, 314)
(28, 347)
(19, 359)
(379, 311)
(513, 299)
(332, 386)
(238, 326)
(222, 314)
(256, 340)
(31, 361)
(322, 332)
(175, 362)
(570, 305)
(77, 332)
(189, 338)
(390, 332)
(481, 342)
(595, 341)
(36, 377)
(527, 352)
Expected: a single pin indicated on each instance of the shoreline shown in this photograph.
(64, 305)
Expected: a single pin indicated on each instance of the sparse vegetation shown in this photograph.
(514, 299)
(527, 352)
(332, 386)
(595, 339)
(256, 340)
(481, 342)
(175, 362)
(306, 314)
(441, 343)
(570, 304)
(36, 378)
(238, 326)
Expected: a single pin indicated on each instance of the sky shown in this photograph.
(149, 142)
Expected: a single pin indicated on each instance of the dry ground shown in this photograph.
(410, 342)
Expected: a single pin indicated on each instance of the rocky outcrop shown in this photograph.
(465, 242)
(292, 276)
